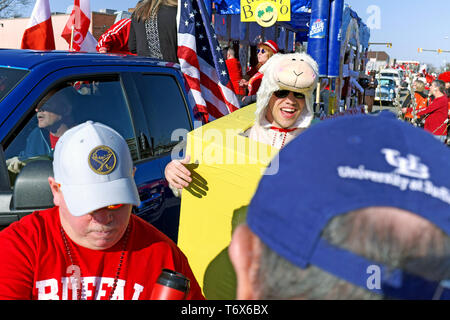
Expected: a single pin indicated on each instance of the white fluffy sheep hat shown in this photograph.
(297, 72)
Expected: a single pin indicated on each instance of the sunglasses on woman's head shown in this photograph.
(260, 50)
(285, 93)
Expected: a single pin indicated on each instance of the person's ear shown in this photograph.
(56, 191)
(245, 252)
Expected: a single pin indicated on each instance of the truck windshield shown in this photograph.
(9, 78)
(388, 74)
(386, 82)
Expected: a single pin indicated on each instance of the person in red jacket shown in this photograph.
(89, 246)
(421, 98)
(235, 71)
(445, 76)
(437, 112)
(115, 39)
(265, 51)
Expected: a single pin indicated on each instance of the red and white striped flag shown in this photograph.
(202, 63)
(79, 21)
(39, 33)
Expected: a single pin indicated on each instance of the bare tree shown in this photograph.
(13, 8)
(431, 68)
(446, 67)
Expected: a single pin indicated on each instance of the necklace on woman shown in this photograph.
(119, 266)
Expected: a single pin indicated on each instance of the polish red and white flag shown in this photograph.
(39, 33)
(76, 32)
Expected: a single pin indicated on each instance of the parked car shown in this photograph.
(152, 195)
(386, 90)
(143, 99)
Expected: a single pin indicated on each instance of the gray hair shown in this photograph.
(423, 254)
(440, 85)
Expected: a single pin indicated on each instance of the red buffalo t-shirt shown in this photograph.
(35, 264)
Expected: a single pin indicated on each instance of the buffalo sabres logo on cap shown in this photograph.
(102, 160)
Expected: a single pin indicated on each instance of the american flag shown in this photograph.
(202, 63)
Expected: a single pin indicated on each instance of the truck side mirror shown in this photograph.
(5, 185)
(31, 189)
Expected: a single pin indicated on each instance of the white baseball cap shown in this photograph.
(93, 165)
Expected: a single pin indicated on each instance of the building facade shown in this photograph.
(377, 60)
(11, 30)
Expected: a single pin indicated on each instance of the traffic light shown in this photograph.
(389, 45)
(419, 49)
(439, 51)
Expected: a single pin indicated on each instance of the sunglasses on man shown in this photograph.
(111, 207)
(285, 93)
(260, 50)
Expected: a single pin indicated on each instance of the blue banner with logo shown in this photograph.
(318, 34)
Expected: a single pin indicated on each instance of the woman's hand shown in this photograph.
(177, 174)
(243, 83)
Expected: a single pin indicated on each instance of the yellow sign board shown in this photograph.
(226, 168)
(265, 12)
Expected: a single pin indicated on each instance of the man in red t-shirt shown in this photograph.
(89, 246)
(437, 112)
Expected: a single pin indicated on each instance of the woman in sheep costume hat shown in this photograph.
(284, 105)
(284, 108)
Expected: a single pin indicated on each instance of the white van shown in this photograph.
(392, 73)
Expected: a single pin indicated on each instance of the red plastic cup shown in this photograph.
(171, 285)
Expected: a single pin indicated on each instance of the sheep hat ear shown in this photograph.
(293, 71)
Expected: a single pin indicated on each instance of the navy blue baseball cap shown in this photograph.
(345, 164)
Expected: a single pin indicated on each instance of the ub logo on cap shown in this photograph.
(102, 160)
(409, 166)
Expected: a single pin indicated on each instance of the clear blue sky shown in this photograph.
(408, 24)
(96, 5)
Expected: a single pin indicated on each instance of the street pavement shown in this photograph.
(401, 97)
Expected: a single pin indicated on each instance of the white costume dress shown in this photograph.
(264, 132)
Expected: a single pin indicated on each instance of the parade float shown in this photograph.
(244, 29)
(328, 29)
(338, 41)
